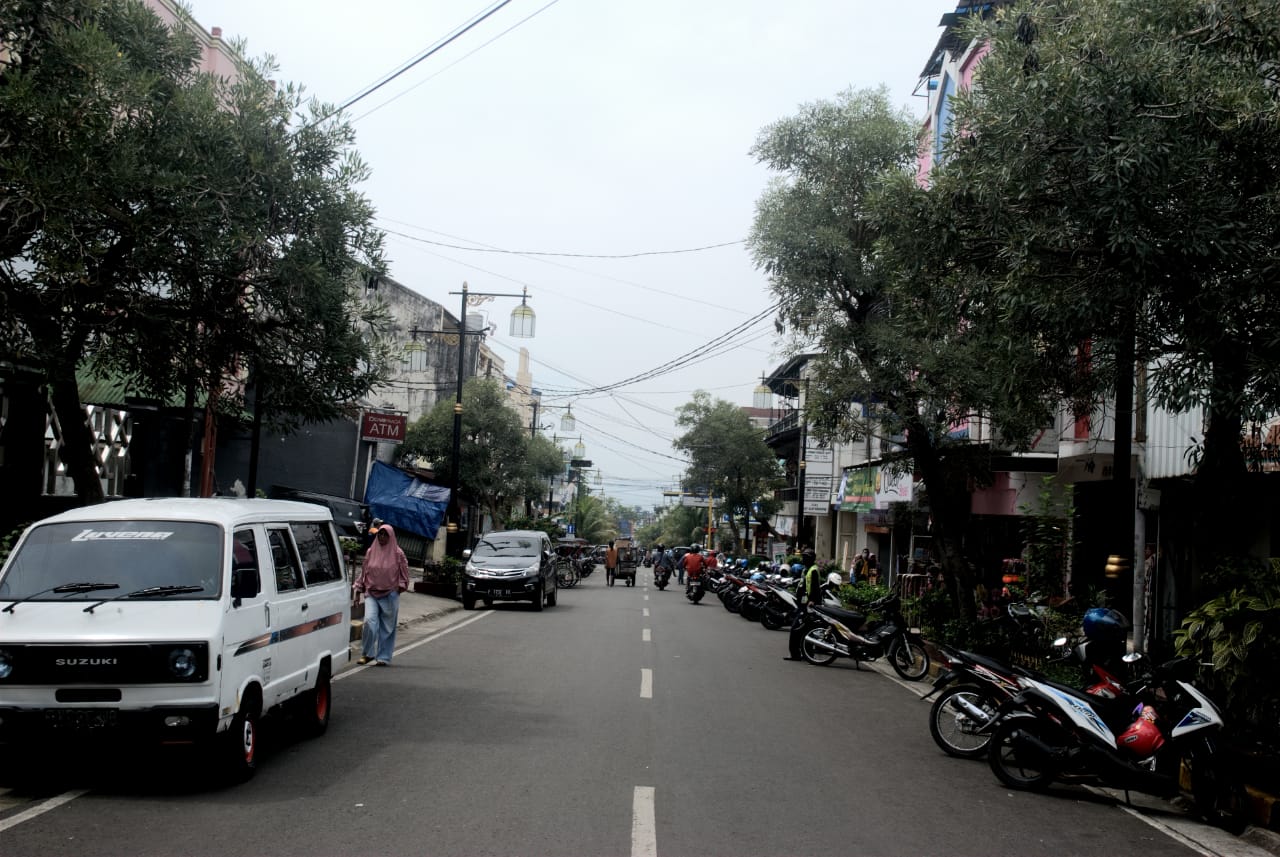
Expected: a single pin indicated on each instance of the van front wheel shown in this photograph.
(239, 747)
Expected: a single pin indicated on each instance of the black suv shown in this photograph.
(515, 565)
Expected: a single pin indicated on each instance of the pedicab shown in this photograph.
(628, 560)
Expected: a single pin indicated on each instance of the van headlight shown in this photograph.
(6, 664)
(183, 663)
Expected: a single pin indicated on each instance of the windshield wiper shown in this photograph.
(63, 589)
(149, 592)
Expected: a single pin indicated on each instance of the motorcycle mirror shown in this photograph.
(1132, 657)
(1060, 642)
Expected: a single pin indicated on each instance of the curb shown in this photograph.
(1259, 806)
(357, 625)
(1262, 812)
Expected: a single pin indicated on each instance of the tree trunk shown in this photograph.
(1220, 476)
(78, 441)
(949, 504)
(189, 432)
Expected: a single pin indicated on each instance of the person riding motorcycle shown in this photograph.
(692, 563)
(664, 563)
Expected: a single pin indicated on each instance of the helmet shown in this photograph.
(742, 563)
(1105, 625)
(797, 568)
(758, 577)
(1143, 737)
(834, 578)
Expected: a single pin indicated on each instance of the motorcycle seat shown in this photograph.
(848, 617)
(989, 663)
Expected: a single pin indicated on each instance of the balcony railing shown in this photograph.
(789, 422)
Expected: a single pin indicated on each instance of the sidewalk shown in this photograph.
(414, 608)
(1262, 808)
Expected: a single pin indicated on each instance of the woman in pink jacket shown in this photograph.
(384, 576)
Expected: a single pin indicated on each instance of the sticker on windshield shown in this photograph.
(121, 535)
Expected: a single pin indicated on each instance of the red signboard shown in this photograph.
(383, 428)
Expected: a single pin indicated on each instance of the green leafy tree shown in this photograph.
(496, 470)
(542, 460)
(679, 525)
(904, 358)
(590, 518)
(728, 457)
(171, 227)
(1118, 162)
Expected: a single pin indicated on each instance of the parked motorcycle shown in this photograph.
(840, 633)
(753, 596)
(973, 687)
(1046, 733)
(730, 593)
(779, 608)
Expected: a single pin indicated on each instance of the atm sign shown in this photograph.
(383, 428)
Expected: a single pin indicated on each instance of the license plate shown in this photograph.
(498, 592)
(80, 718)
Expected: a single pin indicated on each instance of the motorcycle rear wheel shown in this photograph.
(1014, 763)
(815, 655)
(770, 619)
(909, 659)
(733, 603)
(1218, 796)
(953, 729)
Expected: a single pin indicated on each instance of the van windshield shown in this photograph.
(133, 554)
(497, 545)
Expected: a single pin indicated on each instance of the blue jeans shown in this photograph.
(379, 638)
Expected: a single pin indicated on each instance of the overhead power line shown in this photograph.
(716, 346)
(429, 52)
(570, 255)
(474, 50)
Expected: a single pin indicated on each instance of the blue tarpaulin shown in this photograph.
(404, 502)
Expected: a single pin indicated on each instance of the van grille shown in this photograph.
(111, 664)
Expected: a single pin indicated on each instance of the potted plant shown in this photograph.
(441, 579)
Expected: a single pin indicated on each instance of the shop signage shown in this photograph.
(383, 428)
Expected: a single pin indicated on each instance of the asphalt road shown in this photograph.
(624, 721)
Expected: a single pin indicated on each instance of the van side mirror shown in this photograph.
(466, 554)
(245, 583)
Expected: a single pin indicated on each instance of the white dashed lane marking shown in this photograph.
(646, 636)
(644, 832)
(646, 683)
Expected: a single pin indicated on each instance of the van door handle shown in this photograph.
(304, 605)
(266, 608)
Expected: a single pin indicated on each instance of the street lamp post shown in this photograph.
(522, 326)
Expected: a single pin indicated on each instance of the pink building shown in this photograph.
(219, 58)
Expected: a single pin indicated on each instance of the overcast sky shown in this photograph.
(595, 127)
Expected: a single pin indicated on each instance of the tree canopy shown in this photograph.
(171, 228)
(1116, 168)
(502, 465)
(728, 457)
(904, 357)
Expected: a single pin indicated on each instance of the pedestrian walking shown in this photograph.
(610, 563)
(384, 575)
